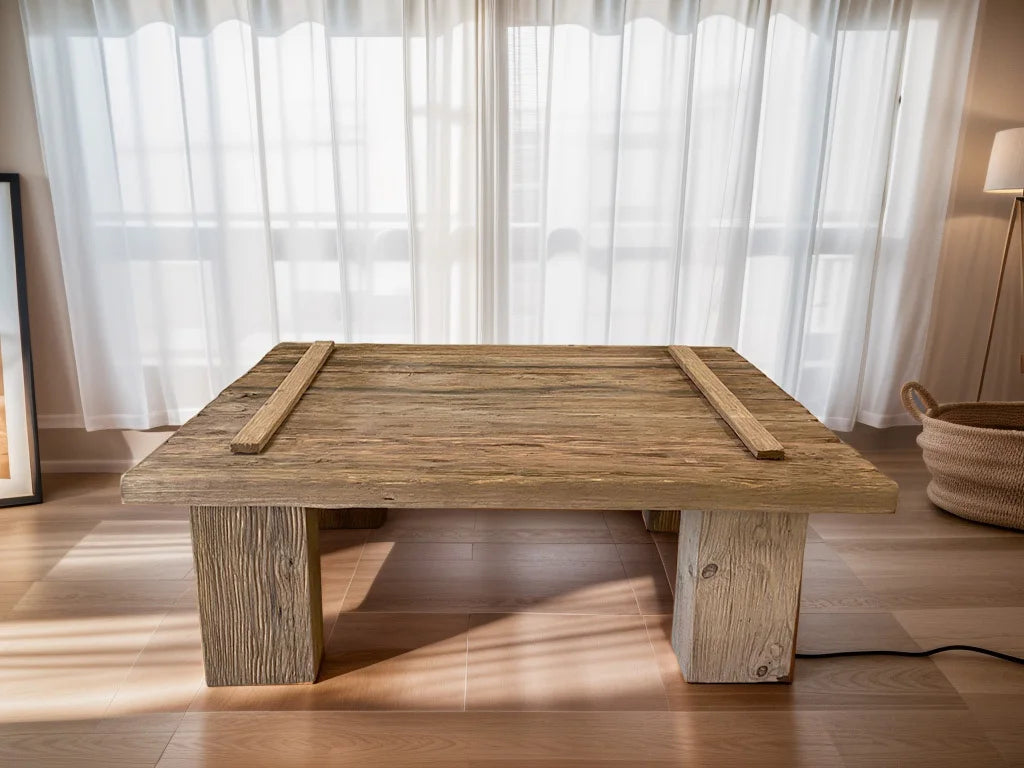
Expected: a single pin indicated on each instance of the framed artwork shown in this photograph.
(19, 442)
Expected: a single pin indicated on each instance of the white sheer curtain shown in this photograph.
(741, 172)
(736, 173)
(229, 174)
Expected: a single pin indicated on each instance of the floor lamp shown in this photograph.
(1006, 174)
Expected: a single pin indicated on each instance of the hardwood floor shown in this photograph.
(492, 639)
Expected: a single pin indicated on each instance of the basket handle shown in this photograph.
(914, 395)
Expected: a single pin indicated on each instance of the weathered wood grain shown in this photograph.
(737, 595)
(406, 426)
(760, 441)
(661, 520)
(254, 436)
(258, 573)
(352, 518)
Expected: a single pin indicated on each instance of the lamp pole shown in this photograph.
(1015, 213)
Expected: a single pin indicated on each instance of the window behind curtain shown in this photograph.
(702, 173)
(730, 172)
(229, 175)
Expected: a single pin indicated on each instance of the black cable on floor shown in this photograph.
(914, 654)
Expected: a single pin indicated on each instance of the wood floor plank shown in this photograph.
(999, 717)
(69, 750)
(1001, 629)
(790, 739)
(912, 739)
(939, 572)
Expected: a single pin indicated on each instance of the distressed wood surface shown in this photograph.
(761, 443)
(737, 595)
(352, 518)
(256, 433)
(541, 427)
(258, 574)
(661, 520)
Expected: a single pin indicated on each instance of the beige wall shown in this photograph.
(971, 248)
(20, 153)
(976, 227)
(53, 358)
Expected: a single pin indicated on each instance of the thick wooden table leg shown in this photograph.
(362, 517)
(737, 595)
(258, 570)
(661, 520)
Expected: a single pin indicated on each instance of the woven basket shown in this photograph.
(975, 453)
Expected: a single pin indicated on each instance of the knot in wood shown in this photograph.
(762, 671)
(709, 570)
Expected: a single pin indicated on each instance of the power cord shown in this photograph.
(914, 654)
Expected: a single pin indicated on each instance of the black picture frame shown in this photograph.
(31, 420)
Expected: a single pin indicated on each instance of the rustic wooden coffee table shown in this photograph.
(362, 428)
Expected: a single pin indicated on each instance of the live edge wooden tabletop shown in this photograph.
(535, 427)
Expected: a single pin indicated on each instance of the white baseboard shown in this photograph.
(60, 421)
(119, 466)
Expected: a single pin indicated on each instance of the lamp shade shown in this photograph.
(1006, 165)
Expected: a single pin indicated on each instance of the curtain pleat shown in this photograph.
(230, 173)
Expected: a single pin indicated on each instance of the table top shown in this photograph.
(528, 427)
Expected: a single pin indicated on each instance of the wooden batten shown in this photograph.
(261, 427)
(761, 443)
